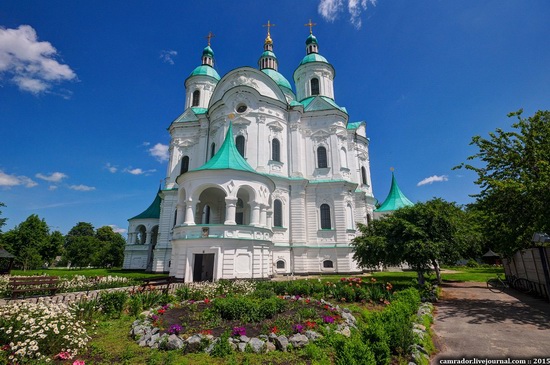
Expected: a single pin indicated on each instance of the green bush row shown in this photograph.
(248, 309)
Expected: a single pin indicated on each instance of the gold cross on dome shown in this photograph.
(209, 37)
(268, 25)
(310, 25)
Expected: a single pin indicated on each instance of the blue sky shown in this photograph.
(87, 89)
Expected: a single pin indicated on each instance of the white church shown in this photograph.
(262, 180)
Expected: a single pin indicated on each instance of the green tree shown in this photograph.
(424, 236)
(27, 240)
(514, 177)
(2, 220)
(81, 250)
(80, 245)
(111, 253)
(53, 247)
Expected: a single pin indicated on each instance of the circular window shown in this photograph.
(241, 108)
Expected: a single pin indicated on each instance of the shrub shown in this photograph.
(472, 263)
(397, 319)
(112, 303)
(374, 333)
(248, 309)
(222, 348)
(353, 351)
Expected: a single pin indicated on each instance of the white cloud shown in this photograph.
(432, 179)
(31, 64)
(81, 187)
(146, 143)
(138, 171)
(14, 180)
(52, 177)
(160, 152)
(117, 229)
(112, 169)
(52, 187)
(330, 9)
(167, 56)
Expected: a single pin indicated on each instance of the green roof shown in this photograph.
(268, 54)
(313, 57)
(395, 199)
(311, 39)
(227, 157)
(199, 110)
(153, 211)
(305, 102)
(208, 51)
(205, 70)
(277, 77)
(354, 125)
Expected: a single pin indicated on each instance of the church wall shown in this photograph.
(235, 259)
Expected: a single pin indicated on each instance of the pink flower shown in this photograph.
(79, 362)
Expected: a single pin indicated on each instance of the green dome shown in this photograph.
(205, 70)
(268, 54)
(277, 77)
(313, 57)
(311, 39)
(208, 51)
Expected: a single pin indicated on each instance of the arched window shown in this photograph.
(175, 218)
(344, 158)
(328, 264)
(314, 86)
(277, 213)
(239, 213)
(275, 150)
(239, 143)
(363, 175)
(205, 215)
(369, 219)
(196, 98)
(349, 216)
(280, 264)
(141, 235)
(212, 150)
(184, 164)
(322, 157)
(325, 216)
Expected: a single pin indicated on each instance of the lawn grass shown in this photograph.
(64, 272)
(464, 274)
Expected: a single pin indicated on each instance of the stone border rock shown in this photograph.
(145, 334)
(419, 353)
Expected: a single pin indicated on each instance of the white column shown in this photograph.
(230, 210)
(148, 237)
(263, 215)
(190, 213)
(255, 216)
(269, 222)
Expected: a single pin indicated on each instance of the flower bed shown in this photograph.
(201, 325)
(39, 332)
(77, 283)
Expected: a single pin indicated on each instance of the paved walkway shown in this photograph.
(471, 321)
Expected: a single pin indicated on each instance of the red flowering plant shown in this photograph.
(274, 329)
(310, 324)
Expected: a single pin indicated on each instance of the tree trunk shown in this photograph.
(420, 278)
(437, 271)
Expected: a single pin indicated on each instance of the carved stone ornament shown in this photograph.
(187, 141)
(242, 78)
(363, 155)
(275, 126)
(320, 135)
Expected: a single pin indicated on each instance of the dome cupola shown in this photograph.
(202, 80)
(314, 75)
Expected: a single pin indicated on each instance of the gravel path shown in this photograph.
(471, 321)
